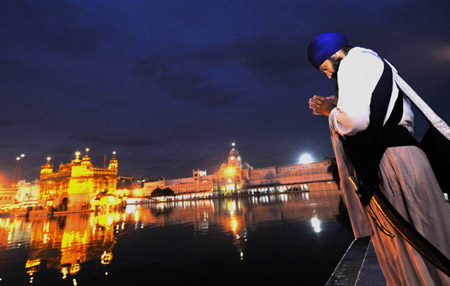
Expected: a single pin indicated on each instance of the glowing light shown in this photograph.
(305, 159)
(46, 226)
(136, 216)
(32, 263)
(315, 222)
(64, 271)
(74, 269)
(106, 257)
(230, 171)
(234, 224)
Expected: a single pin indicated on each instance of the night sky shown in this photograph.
(170, 84)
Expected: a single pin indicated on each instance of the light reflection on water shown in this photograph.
(251, 239)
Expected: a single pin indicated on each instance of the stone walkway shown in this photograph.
(358, 267)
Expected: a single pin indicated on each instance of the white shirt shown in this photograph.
(358, 75)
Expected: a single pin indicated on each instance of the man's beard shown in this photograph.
(335, 63)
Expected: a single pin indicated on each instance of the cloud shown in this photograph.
(274, 57)
(180, 81)
(57, 25)
(218, 74)
(20, 145)
(6, 122)
(117, 140)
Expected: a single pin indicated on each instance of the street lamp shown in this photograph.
(20, 166)
(15, 169)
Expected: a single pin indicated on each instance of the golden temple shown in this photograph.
(78, 185)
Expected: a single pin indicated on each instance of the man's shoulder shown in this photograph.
(364, 62)
(358, 56)
(359, 52)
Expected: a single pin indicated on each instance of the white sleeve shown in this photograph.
(357, 77)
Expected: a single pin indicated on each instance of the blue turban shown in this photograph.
(324, 46)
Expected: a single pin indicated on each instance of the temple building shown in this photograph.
(235, 177)
(230, 177)
(27, 192)
(78, 185)
(7, 198)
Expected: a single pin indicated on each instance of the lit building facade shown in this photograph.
(7, 198)
(198, 186)
(27, 192)
(228, 179)
(235, 177)
(78, 185)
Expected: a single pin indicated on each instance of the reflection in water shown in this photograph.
(315, 222)
(64, 243)
(78, 246)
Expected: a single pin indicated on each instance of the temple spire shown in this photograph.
(47, 168)
(77, 156)
(86, 160)
(113, 164)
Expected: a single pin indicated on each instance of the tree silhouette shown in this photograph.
(158, 192)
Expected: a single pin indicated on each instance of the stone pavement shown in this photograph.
(358, 267)
(370, 274)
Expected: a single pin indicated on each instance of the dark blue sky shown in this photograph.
(170, 84)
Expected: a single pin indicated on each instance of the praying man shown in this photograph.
(371, 125)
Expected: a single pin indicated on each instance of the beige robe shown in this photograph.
(358, 217)
(410, 185)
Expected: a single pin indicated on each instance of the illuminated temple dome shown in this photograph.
(234, 152)
(234, 158)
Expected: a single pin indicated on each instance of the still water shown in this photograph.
(255, 240)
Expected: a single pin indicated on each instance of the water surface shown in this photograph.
(255, 240)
